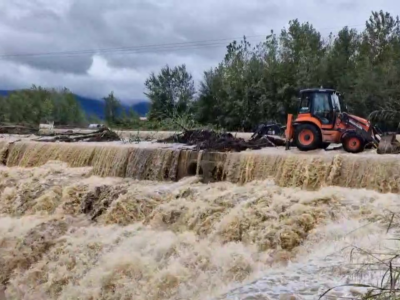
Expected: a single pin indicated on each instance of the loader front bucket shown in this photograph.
(389, 145)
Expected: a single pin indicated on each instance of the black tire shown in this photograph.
(317, 138)
(353, 143)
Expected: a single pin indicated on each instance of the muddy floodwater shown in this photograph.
(66, 234)
(132, 222)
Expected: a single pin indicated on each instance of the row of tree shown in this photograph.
(37, 104)
(116, 115)
(40, 105)
(257, 83)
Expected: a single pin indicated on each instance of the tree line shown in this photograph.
(256, 83)
(39, 105)
(119, 117)
(43, 105)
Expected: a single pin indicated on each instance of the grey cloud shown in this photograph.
(63, 64)
(18, 76)
(38, 26)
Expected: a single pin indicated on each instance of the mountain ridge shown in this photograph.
(95, 107)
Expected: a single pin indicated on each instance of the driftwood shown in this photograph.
(68, 133)
(222, 142)
(101, 135)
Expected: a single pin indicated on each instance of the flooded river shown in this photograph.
(68, 234)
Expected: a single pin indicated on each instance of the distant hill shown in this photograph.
(96, 107)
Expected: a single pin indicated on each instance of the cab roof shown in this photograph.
(318, 90)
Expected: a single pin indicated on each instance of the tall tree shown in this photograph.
(112, 106)
(170, 91)
(377, 66)
(208, 108)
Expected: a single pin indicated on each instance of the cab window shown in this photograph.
(321, 102)
(322, 107)
(336, 102)
(305, 105)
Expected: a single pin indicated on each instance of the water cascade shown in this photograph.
(308, 171)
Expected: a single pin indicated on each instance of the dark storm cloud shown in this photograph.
(43, 26)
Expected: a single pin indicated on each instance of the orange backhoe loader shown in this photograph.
(322, 119)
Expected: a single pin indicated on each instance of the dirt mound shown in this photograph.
(222, 142)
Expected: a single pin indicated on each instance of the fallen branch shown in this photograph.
(68, 132)
(102, 135)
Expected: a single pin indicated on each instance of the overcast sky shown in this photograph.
(46, 26)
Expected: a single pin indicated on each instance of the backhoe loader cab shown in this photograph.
(322, 119)
(320, 103)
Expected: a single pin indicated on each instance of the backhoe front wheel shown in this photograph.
(307, 137)
(353, 143)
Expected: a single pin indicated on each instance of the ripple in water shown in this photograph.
(65, 234)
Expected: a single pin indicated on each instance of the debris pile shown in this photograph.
(389, 145)
(269, 128)
(222, 142)
(101, 135)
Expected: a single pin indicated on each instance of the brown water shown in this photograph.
(68, 234)
(309, 171)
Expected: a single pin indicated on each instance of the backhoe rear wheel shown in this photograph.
(307, 137)
(353, 143)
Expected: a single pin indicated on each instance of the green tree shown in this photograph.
(47, 110)
(257, 83)
(377, 69)
(171, 91)
(38, 104)
(208, 108)
(112, 106)
(340, 60)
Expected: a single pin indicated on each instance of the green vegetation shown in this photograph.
(39, 105)
(254, 84)
(36, 105)
(112, 105)
(171, 91)
(118, 118)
